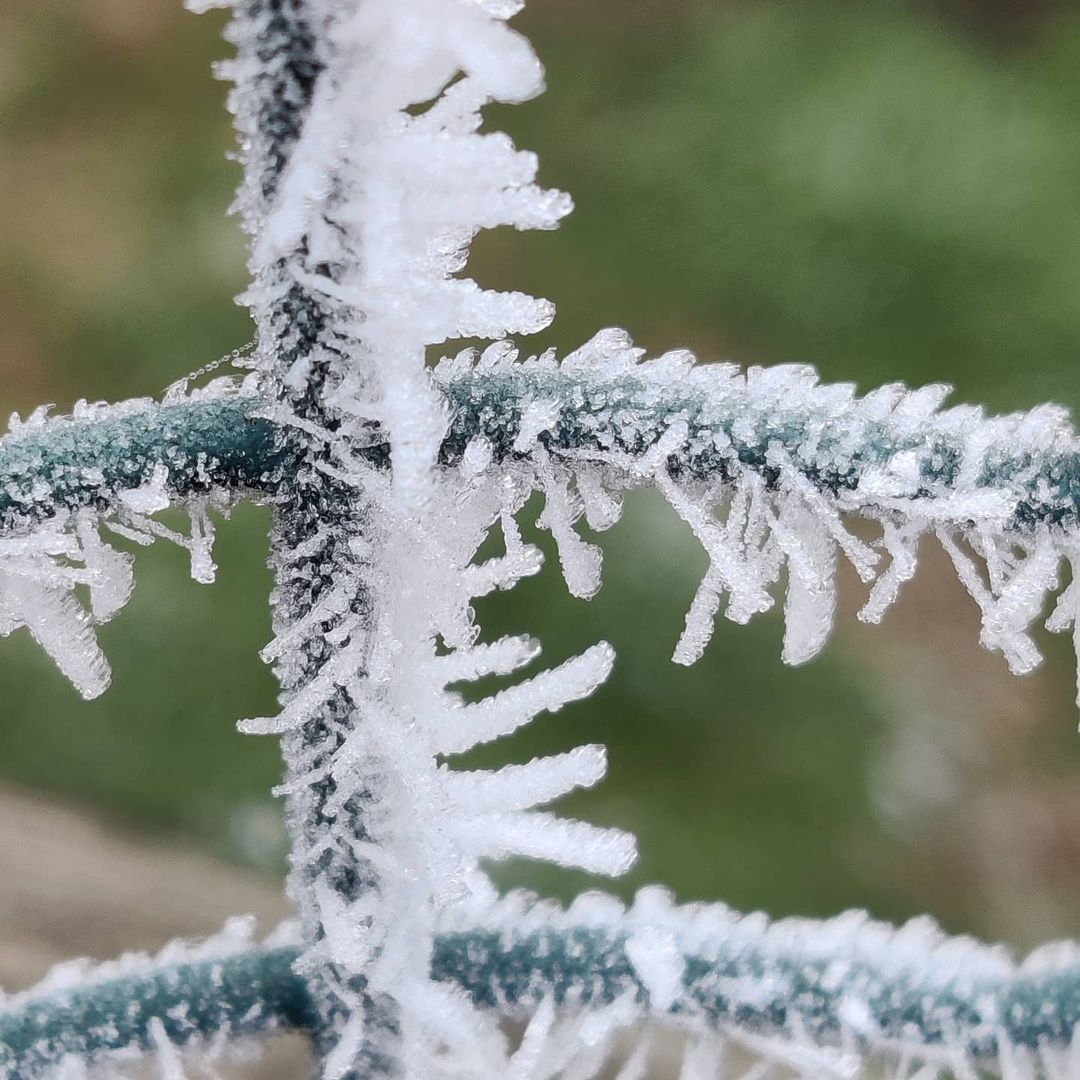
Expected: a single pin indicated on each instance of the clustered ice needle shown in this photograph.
(55, 511)
(765, 466)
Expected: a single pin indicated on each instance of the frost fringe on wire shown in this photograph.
(995, 490)
(680, 989)
(366, 178)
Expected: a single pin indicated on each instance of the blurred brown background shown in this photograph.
(888, 190)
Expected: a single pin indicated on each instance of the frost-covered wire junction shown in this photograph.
(366, 176)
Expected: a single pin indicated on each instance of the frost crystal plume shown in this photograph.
(361, 208)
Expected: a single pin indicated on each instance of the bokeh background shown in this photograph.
(888, 190)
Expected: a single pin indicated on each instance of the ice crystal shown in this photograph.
(373, 211)
(733, 997)
(766, 470)
(767, 466)
(583, 992)
(366, 177)
(69, 480)
(198, 1033)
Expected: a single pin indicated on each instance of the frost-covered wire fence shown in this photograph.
(947, 1000)
(366, 178)
(224, 440)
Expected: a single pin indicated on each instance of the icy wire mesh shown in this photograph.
(580, 432)
(367, 175)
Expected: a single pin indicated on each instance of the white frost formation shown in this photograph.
(199, 1055)
(45, 558)
(360, 222)
(379, 200)
(376, 188)
(429, 825)
(650, 991)
(734, 454)
(362, 234)
(653, 1018)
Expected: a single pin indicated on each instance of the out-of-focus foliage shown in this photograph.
(877, 189)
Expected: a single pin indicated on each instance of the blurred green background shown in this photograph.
(888, 190)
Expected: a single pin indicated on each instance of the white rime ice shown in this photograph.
(767, 468)
(197, 1053)
(360, 215)
(367, 176)
(38, 575)
(390, 200)
(700, 991)
(59, 577)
